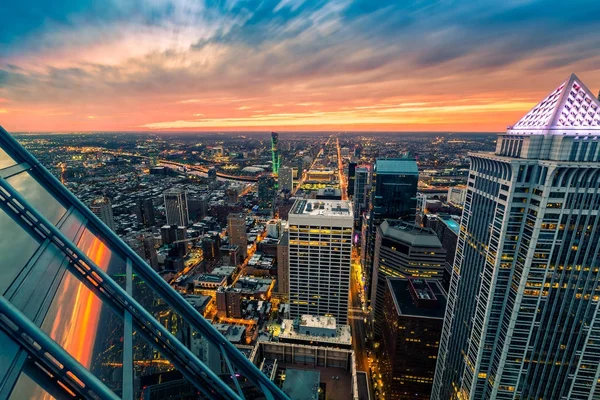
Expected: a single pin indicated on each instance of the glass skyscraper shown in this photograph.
(523, 307)
(83, 316)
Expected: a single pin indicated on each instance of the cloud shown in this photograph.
(172, 56)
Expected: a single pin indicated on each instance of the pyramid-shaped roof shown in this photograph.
(570, 106)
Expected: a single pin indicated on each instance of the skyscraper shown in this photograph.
(320, 243)
(351, 175)
(522, 319)
(361, 185)
(102, 208)
(403, 250)
(176, 207)
(275, 157)
(283, 264)
(393, 196)
(413, 316)
(236, 228)
(73, 294)
(286, 179)
(144, 210)
(266, 189)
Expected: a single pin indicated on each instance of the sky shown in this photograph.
(340, 65)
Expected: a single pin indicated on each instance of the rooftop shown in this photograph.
(301, 384)
(410, 233)
(343, 336)
(450, 223)
(313, 321)
(396, 166)
(329, 208)
(429, 291)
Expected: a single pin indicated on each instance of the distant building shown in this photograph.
(232, 195)
(362, 180)
(351, 178)
(176, 207)
(175, 236)
(144, 211)
(329, 194)
(266, 188)
(312, 330)
(212, 173)
(229, 302)
(102, 208)
(320, 245)
(198, 207)
(275, 156)
(403, 250)
(413, 318)
(456, 195)
(236, 228)
(283, 284)
(286, 179)
(274, 228)
(210, 248)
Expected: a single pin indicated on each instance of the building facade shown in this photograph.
(102, 208)
(402, 250)
(144, 211)
(413, 315)
(320, 245)
(286, 179)
(283, 264)
(523, 307)
(176, 207)
(362, 181)
(236, 228)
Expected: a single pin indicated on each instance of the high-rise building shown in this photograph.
(283, 264)
(351, 178)
(522, 319)
(362, 180)
(102, 208)
(72, 294)
(275, 156)
(393, 196)
(236, 228)
(456, 195)
(395, 189)
(413, 317)
(144, 210)
(176, 207)
(320, 244)
(211, 246)
(402, 250)
(286, 179)
(229, 302)
(198, 207)
(266, 189)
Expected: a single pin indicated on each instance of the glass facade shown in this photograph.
(79, 284)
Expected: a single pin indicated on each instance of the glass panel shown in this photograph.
(37, 196)
(82, 324)
(5, 160)
(16, 248)
(27, 389)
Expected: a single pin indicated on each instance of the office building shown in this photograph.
(229, 302)
(67, 332)
(403, 250)
(329, 193)
(456, 195)
(176, 207)
(275, 156)
(351, 178)
(211, 245)
(320, 244)
(413, 317)
(274, 228)
(266, 189)
(393, 196)
(522, 319)
(236, 229)
(362, 180)
(286, 179)
(144, 211)
(102, 208)
(283, 274)
(198, 207)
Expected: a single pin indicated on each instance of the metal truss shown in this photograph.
(110, 292)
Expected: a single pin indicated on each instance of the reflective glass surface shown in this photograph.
(28, 389)
(5, 160)
(16, 248)
(37, 196)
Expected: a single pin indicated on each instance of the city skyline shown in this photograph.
(324, 66)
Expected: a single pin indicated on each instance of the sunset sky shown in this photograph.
(385, 65)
